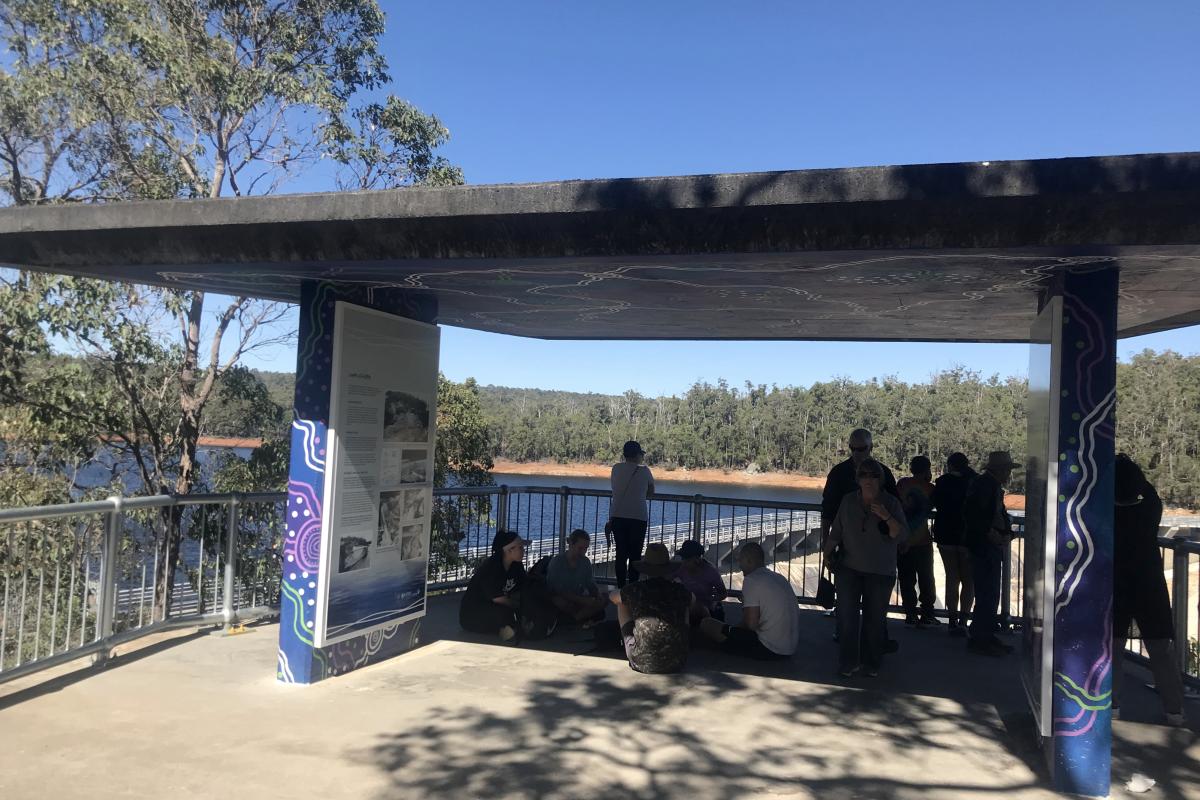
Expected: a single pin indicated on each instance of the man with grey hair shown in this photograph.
(842, 479)
(770, 626)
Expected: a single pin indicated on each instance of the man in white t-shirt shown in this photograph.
(632, 484)
(770, 626)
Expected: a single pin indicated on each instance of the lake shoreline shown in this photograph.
(774, 480)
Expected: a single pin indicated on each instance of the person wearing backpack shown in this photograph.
(632, 484)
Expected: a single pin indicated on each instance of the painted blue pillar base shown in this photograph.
(1080, 749)
(299, 661)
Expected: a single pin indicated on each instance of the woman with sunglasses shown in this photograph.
(868, 528)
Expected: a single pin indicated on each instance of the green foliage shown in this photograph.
(111, 99)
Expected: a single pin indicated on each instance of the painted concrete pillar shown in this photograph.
(1080, 746)
(299, 661)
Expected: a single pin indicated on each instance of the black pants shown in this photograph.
(916, 569)
(486, 617)
(630, 537)
(862, 599)
(745, 642)
(985, 566)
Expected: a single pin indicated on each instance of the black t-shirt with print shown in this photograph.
(659, 608)
(491, 580)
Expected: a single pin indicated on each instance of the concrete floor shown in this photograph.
(202, 716)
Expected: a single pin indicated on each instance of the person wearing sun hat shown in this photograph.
(653, 614)
(491, 603)
(988, 532)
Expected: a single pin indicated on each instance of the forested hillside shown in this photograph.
(803, 429)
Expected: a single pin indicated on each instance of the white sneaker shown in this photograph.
(1176, 720)
(507, 633)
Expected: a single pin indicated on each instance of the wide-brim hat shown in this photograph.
(1000, 459)
(657, 561)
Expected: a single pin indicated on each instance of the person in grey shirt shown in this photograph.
(573, 588)
(868, 529)
(632, 483)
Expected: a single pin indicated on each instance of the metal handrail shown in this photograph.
(113, 509)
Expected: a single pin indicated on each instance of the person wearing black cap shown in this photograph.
(632, 483)
(702, 579)
(491, 603)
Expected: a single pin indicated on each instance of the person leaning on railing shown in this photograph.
(632, 484)
(1140, 587)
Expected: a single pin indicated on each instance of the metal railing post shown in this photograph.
(563, 519)
(697, 519)
(107, 606)
(1006, 583)
(1179, 603)
(231, 526)
(502, 508)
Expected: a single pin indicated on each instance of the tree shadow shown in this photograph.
(698, 735)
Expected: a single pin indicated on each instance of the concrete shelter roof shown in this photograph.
(941, 252)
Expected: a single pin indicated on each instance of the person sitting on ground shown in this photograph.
(1140, 587)
(573, 588)
(492, 601)
(702, 579)
(915, 561)
(653, 614)
(949, 494)
(869, 527)
(988, 536)
(770, 626)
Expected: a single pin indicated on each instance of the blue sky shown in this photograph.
(536, 91)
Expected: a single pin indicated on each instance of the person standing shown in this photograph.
(869, 527)
(949, 495)
(988, 534)
(632, 484)
(915, 562)
(1140, 587)
(843, 478)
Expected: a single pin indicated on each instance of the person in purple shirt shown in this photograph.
(701, 578)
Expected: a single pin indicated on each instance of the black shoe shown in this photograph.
(847, 672)
(957, 631)
(912, 619)
(930, 621)
(871, 672)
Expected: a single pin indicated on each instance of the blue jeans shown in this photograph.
(985, 566)
(862, 599)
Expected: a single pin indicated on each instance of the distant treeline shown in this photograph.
(804, 429)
